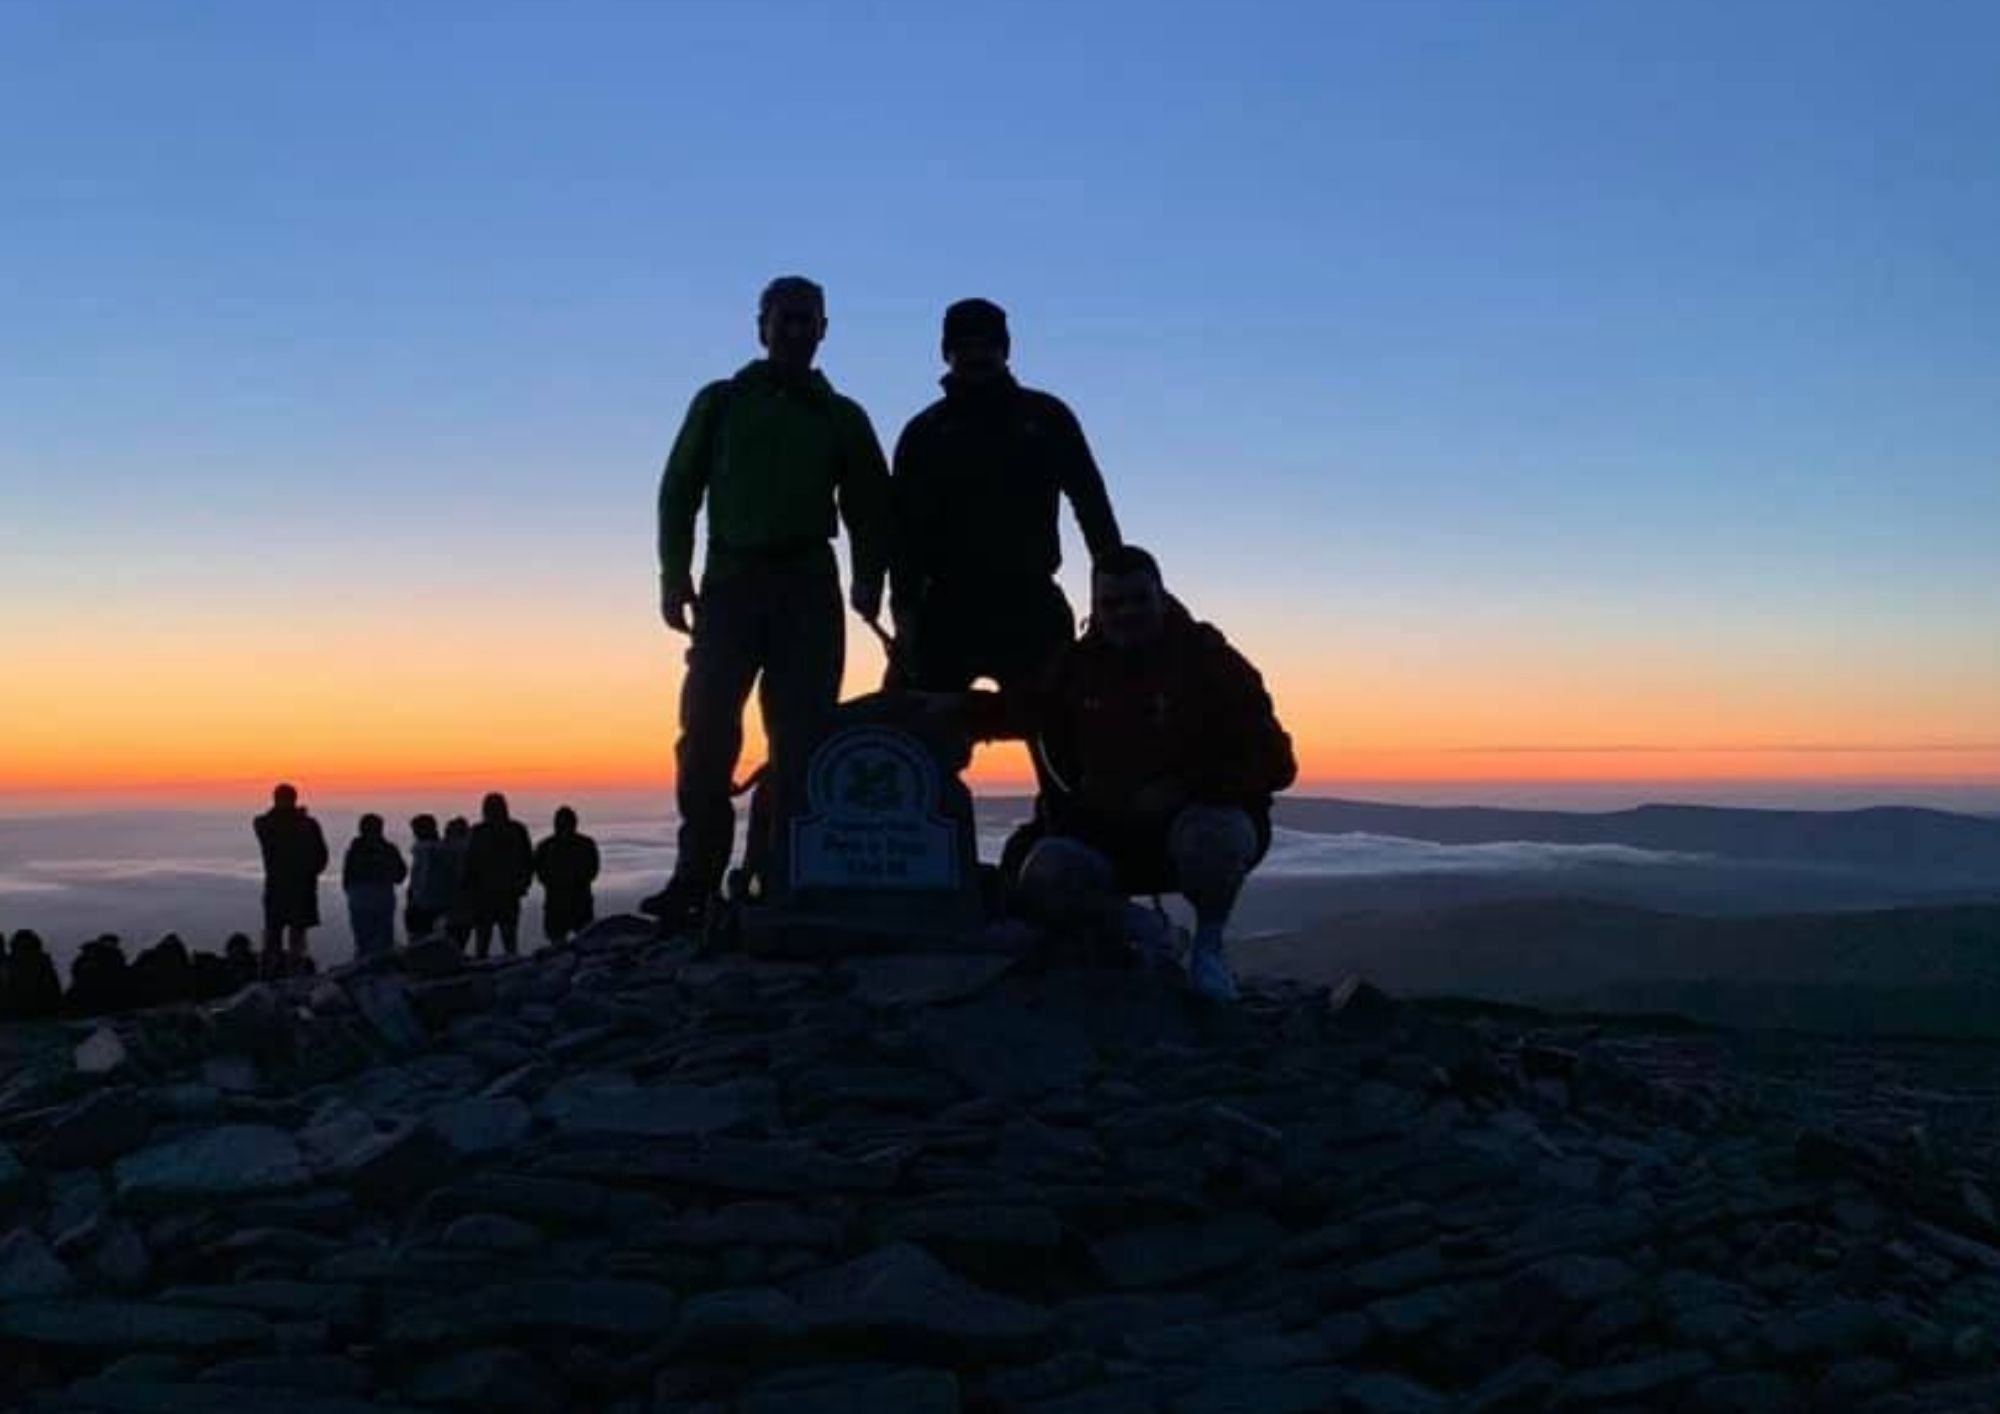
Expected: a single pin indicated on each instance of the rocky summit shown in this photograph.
(622, 1177)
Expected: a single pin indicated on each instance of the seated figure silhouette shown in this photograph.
(567, 864)
(239, 962)
(34, 991)
(162, 974)
(295, 855)
(99, 979)
(499, 867)
(1162, 752)
(369, 874)
(208, 976)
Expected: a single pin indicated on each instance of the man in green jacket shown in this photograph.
(777, 454)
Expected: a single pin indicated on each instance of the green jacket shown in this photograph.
(774, 457)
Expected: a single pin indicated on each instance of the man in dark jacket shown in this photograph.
(295, 855)
(1162, 752)
(774, 452)
(978, 480)
(499, 867)
(566, 863)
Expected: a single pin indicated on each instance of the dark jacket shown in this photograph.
(772, 456)
(293, 846)
(372, 861)
(295, 855)
(1108, 723)
(566, 865)
(976, 486)
(499, 861)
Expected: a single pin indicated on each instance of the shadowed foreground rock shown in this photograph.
(617, 1177)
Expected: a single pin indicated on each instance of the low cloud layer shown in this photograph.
(198, 875)
(1296, 854)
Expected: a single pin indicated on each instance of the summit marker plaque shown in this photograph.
(872, 817)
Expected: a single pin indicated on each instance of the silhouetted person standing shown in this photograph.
(566, 863)
(434, 879)
(450, 884)
(34, 991)
(295, 855)
(773, 452)
(978, 483)
(370, 872)
(499, 867)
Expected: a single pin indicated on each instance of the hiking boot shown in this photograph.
(680, 907)
(1209, 971)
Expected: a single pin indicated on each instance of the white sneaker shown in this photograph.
(1209, 971)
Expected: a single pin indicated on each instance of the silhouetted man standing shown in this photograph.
(566, 863)
(499, 867)
(1164, 752)
(295, 856)
(978, 480)
(773, 452)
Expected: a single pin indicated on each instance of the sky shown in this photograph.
(1541, 394)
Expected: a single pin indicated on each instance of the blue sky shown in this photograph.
(1424, 340)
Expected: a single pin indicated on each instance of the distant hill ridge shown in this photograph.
(1904, 971)
(1904, 838)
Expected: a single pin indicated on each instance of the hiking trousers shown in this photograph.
(770, 623)
(962, 633)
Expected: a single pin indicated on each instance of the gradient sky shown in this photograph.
(1539, 392)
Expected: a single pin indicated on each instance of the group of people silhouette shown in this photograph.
(103, 981)
(1157, 749)
(466, 881)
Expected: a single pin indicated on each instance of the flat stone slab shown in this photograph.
(339, 1302)
(864, 1390)
(385, 1002)
(1182, 1252)
(229, 1161)
(899, 1299)
(924, 979)
(585, 1308)
(731, 1166)
(114, 1396)
(1005, 1050)
(96, 1131)
(29, 1269)
(476, 1126)
(130, 1325)
(669, 1111)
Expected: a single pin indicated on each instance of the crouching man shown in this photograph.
(1160, 751)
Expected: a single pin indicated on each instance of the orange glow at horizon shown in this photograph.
(368, 696)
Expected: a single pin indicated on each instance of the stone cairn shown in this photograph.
(621, 1177)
